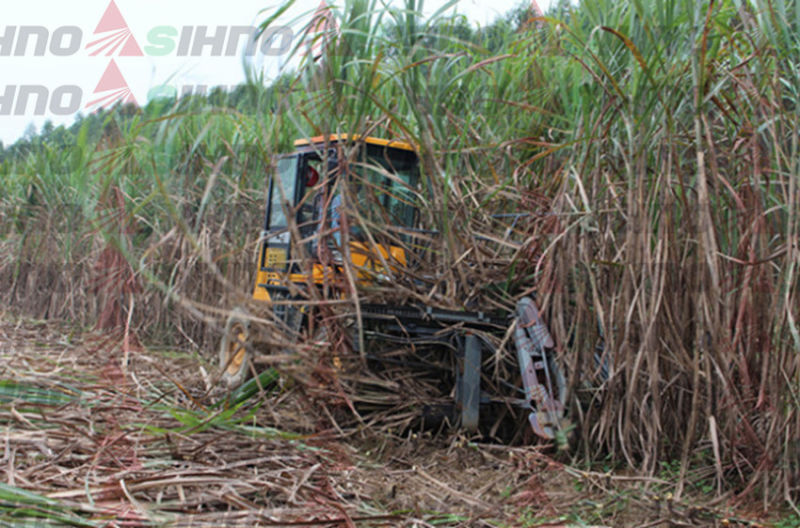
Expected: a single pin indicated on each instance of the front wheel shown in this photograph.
(235, 349)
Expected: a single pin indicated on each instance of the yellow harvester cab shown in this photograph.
(383, 177)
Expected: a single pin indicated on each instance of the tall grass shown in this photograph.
(659, 140)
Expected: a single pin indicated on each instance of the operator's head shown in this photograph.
(312, 176)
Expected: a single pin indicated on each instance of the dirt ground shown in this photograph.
(100, 432)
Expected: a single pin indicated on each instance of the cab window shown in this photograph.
(282, 188)
(386, 184)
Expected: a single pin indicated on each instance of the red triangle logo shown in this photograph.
(112, 89)
(117, 37)
(322, 30)
(112, 19)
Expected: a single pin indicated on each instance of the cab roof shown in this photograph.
(333, 138)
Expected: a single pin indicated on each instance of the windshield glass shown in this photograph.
(282, 190)
(386, 189)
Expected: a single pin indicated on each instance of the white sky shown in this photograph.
(144, 73)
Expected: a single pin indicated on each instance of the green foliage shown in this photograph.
(25, 393)
(253, 386)
(17, 505)
(792, 521)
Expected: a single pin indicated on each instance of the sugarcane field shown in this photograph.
(369, 263)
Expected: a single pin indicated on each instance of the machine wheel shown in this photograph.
(235, 349)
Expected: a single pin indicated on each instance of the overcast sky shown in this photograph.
(158, 65)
